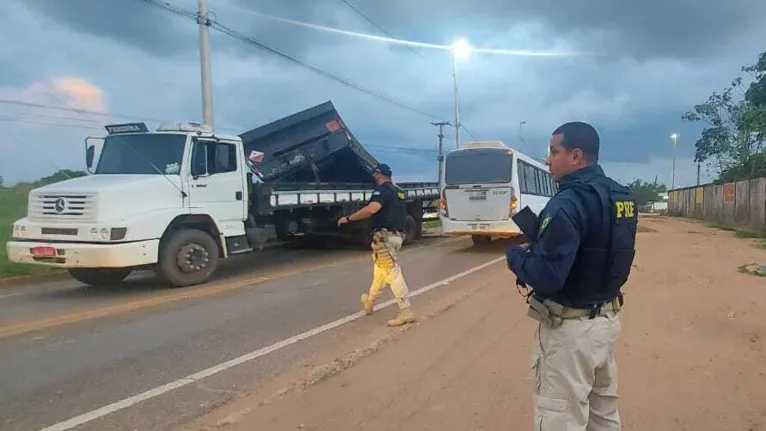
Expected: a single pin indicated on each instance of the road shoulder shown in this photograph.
(691, 354)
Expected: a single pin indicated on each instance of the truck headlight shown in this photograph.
(109, 234)
(19, 230)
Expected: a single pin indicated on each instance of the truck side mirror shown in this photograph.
(90, 153)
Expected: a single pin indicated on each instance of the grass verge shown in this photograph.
(13, 206)
(759, 235)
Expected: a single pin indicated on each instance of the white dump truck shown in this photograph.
(180, 199)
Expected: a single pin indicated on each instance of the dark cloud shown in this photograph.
(160, 33)
(678, 28)
(635, 98)
(131, 22)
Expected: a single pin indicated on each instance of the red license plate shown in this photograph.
(43, 252)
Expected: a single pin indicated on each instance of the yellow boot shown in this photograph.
(404, 317)
(367, 305)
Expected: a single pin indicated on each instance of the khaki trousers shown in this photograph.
(386, 269)
(575, 375)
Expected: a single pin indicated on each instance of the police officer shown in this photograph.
(389, 210)
(575, 268)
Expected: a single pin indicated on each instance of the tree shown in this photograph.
(733, 140)
(645, 192)
(2, 184)
(61, 175)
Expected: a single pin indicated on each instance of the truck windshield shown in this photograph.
(478, 166)
(141, 153)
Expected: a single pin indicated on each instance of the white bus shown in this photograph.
(485, 184)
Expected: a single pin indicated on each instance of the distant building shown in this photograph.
(660, 205)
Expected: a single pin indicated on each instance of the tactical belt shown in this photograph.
(553, 314)
(393, 232)
(576, 313)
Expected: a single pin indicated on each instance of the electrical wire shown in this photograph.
(257, 43)
(379, 27)
(91, 112)
(374, 24)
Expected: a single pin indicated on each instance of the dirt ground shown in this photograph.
(691, 354)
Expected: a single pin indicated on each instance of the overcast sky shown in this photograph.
(648, 62)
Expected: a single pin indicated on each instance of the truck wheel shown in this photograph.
(410, 230)
(188, 257)
(481, 239)
(100, 276)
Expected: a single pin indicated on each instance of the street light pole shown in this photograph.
(674, 136)
(521, 123)
(460, 49)
(457, 100)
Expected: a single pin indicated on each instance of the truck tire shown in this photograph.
(410, 230)
(481, 239)
(188, 257)
(99, 277)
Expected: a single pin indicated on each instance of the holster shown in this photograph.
(547, 312)
(383, 253)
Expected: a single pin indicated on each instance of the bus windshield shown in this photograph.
(479, 166)
(142, 153)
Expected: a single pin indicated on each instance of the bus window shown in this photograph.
(547, 182)
(522, 177)
(485, 166)
(531, 183)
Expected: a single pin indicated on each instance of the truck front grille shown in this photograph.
(50, 206)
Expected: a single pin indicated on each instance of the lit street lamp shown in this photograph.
(521, 123)
(674, 137)
(460, 50)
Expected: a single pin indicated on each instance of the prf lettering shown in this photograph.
(624, 209)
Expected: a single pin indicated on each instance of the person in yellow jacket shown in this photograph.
(389, 211)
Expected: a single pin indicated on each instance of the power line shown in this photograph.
(48, 123)
(87, 111)
(374, 24)
(379, 27)
(402, 149)
(252, 41)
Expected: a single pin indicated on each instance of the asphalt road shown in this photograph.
(67, 351)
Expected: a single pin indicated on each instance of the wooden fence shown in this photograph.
(733, 204)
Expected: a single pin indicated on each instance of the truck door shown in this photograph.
(216, 186)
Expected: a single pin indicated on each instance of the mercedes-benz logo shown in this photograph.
(60, 205)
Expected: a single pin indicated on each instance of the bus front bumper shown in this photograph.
(499, 229)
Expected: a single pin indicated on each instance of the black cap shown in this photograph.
(382, 169)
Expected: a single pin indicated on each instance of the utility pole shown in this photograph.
(674, 136)
(440, 157)
(698, 173)
(204, 54)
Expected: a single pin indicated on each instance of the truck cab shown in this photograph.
(175, 199)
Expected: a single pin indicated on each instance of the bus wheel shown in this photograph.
(481, 239)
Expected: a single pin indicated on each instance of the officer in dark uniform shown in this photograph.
(389, 209)
(575, 269)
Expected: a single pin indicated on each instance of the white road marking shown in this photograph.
(11, 295)
(160, 390)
